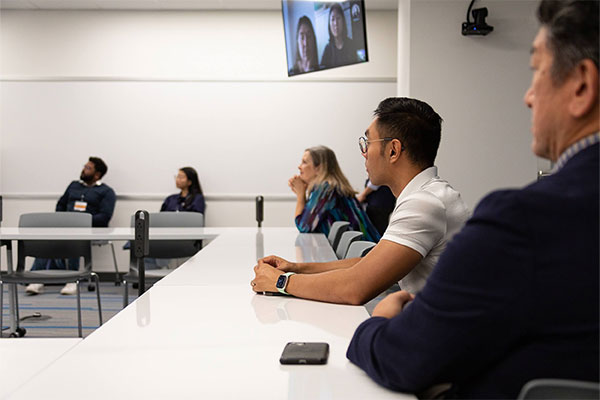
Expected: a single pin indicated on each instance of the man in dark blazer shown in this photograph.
(515, 295)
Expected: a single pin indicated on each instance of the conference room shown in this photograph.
(153, 86)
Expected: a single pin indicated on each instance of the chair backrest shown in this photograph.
(335, 232)
(559, 389)
(54, 248)
(359, 248)
(59, 219)
(347, 239)
(174, 248)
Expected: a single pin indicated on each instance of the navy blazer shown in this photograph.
(513, 298)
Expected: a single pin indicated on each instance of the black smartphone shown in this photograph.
(274, 294)
(305, 353)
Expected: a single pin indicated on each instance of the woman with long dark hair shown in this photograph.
(341, 50)
(190, 197)
(306, 59)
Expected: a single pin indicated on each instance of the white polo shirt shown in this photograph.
(428, 213)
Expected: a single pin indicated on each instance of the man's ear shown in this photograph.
(97, 176)
(584, 81)
(395, 150)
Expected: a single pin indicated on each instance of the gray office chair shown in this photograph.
(559, 389)
(359, 248)
(335, 232)
(53, 249)
(347, 239)
(164, 248)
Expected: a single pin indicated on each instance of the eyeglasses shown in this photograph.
(363, 143)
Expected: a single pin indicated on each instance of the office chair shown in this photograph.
(164, 248)
(559, 389)
(359, 248)
(335, 232)
(347, 239)
(53, 249)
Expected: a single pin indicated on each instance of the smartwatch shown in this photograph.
(282, 282)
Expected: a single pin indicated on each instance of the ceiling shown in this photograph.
(165, 4)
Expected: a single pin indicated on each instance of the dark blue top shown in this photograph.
(382, 198)
(100, 201)
(176, 202)
(380, 204)
(513, 298)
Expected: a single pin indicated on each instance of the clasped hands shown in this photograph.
(269, 268)
(267, 272)
(297, 185)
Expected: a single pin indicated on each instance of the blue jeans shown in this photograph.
(58, 263)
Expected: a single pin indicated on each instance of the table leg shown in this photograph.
(12, 289)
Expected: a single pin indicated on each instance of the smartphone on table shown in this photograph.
(305, 353)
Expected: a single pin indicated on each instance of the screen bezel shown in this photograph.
(290, 63)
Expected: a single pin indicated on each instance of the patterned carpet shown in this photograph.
(51, 314)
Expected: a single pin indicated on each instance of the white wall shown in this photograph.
(153, 91)
(157, 77)
(477, 85)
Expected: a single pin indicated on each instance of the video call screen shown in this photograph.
(321, 35)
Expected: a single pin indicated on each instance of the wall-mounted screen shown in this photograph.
(321, 35)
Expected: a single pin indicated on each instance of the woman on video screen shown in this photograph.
(306, 48)
(330, 196)
(341, 49)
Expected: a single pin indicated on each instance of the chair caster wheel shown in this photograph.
(135, 285)
(20, 332)
(91, 288)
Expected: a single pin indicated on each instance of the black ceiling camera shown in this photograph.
(479, 27)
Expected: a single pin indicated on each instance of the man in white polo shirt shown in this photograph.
(431, 198)
(400, 148)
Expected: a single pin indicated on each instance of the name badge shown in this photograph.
(80, 206)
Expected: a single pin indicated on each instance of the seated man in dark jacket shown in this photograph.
(515, 295)
(86, 195)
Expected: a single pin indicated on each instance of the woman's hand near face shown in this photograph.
(297, 185)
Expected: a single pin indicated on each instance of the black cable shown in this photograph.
(34, 315)
(469, 11)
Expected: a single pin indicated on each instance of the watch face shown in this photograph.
(281, 282)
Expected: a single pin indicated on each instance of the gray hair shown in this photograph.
(572, 27)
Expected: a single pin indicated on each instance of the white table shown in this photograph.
(21, 359)
(202, 333)
(243, 246)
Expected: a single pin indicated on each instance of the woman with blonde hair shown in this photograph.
(330, 196)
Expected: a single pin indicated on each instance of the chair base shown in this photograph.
(19, 331)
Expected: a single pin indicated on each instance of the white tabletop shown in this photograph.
(212, 342)
(20, 359)
(229, 259)
(202, 333)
